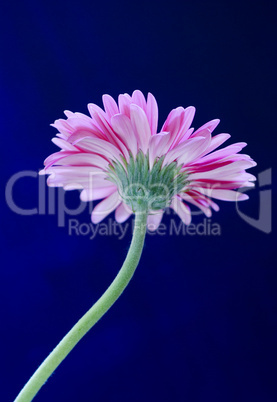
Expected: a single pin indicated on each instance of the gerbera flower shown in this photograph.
(118, 155)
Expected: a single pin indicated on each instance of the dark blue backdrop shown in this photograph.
(198, 321)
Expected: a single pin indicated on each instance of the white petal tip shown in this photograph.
(152, 227)
(96, 218)
(242, 197)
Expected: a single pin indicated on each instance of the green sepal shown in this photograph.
(143, 188)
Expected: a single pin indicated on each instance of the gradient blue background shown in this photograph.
(198, 322)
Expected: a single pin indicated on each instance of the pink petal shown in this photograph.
(85, 125)
(77, 170)
(110, 106)
(225, 171)
(226, 195)
(173, 122)
(105, 207)
(96, 145)
(97, 193)
(80, 123)
(178, 122)
(63, 127)
(152, 113)
(154, 220)
(84, 133)
(158, 146)
(220, 154)
(223, 184)
(207, 202)
(55, 157)
(217, 141)
(64, 145)
(124, 102)
(194, 199)
(205, 167)
(199, 149)
(98, 115)
(122, 213)
(200, 166)
(211, 125)
(85, 176)
(141, 127)
(73, 186)
(83, 117)
(187, 136)
(68, 113)
(239, 157)
(182, 210)
(223, 153)
(187, 151)
(184, 132)
(139, 99)
(86, 159)
(123, 127)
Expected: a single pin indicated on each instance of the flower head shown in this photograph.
(118, 155)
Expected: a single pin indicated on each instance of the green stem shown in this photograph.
(91, 317)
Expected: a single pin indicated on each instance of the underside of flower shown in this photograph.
(145, 189)
(119, 156)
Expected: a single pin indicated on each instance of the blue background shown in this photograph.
(198, 321)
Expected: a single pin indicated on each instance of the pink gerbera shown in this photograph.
(117, 155)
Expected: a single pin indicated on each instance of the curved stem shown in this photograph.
(91, 317)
